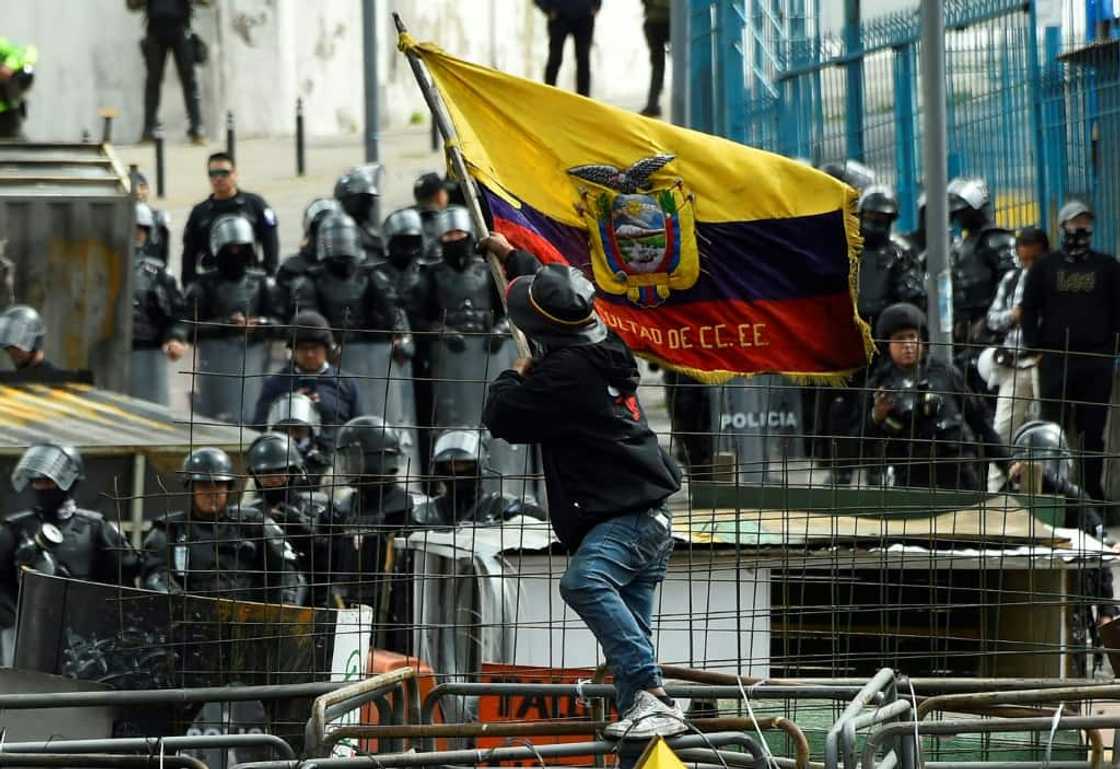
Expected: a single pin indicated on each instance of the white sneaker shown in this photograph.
(647, 717)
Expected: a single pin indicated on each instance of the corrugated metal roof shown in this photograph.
(100, 421)
(60, 170)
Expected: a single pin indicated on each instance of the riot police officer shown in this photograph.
(358, 299)
(852, 172)
(373, 508)
(159, 236)
(927, 418)
(22, 335)
(296, 265)
(1043, 464)
(979, 261)
(460, 303)
(234, 306)
(311, 373)
(887, 275)
(459, 463)
(403, 232)
(219, 549)
(56, 536)
(358, 192)
(157, 308)
(296, 415)
(226, 199)
(286, 495)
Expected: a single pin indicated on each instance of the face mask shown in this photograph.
(359, 207)
(875, 233)
(1076, 241)
(341, 267)
(458, 252)
(402, 256)
(50, 500)
(231, 265)
(274, 495)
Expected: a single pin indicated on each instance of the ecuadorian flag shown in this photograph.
(710, 257)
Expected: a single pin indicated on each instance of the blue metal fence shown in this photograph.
(1037, 124)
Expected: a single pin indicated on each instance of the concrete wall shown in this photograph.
(265, 53)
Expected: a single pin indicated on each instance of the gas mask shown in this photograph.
(458, 252)
(342, 266)
(51, 501)
(1076, 240)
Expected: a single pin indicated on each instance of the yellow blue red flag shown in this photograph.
(713, 258)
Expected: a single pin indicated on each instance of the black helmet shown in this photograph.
(316, 211)
(880, 199)
(310, 326)
(22, 327)
(61, 464)
(208, 464)
(358, 189)
(1044, 443)
(338, 239)
(897, 317)
(273, 453)
(426, 186)
(367, 446)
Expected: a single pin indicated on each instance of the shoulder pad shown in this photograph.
(997, 237)
(92, 515)
(294, 264)
(169, 519)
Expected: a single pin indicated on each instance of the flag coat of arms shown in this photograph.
(710, 257)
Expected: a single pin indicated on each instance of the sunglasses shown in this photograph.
(219, 173)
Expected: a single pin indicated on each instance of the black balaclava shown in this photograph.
(1077, 240)
(458, 253)
(50, 501)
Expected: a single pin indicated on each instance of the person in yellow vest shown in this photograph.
(17, 72)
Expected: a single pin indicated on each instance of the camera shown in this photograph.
(911, 399)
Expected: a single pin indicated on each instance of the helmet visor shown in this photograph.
(45, 462)
(294, 409)
(18, 332)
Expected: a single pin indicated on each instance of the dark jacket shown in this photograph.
(601, 459)
(339, 399)
(1078, 297)
(196, 232)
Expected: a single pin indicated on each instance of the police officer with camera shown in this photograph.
(923, 413)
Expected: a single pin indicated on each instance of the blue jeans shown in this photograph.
(610, 583)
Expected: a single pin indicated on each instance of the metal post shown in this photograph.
(679, 42)
(231, 137)
(853, 117)
(1034, 84)
(299, 138)
(935, 164)
(157, 136)
(106, 129)
(369, 61)
(904, 152)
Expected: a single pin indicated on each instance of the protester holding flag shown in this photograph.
(607, 477)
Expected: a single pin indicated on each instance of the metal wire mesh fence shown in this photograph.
(814, 542)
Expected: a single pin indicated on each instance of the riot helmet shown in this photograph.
(276, 465)
(231, 243)
(878, 209)
(21, 327)
(367, 452)
(61, 465)
(317, 210)
(455, 232)
(298, 416)
(339, 245)
(1077, 236)
(851, 172)
(457, 461)
(970, 202)
(1043, 443)
(403, 233)
(357, 191)
(208, 464)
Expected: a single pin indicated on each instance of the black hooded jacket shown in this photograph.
(601, 459)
